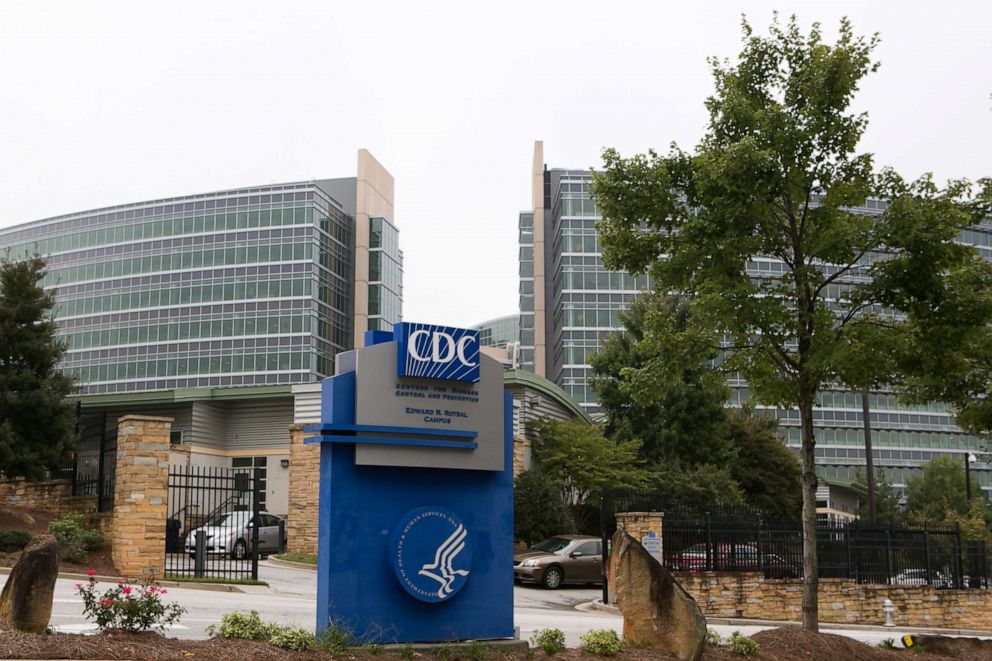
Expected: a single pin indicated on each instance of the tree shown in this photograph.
(36, 420)
(582, 462)
(538, 509)
(766, 470)
(683, 423)
(887, 509)
(777, 174)
(938, 490)
(678, 419)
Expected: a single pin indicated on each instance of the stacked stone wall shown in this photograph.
(141, 495)
(304, 493)
(842, 601)
(639, 524)
(54, 496)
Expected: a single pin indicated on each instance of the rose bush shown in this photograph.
(129, 607)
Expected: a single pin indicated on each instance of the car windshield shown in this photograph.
(231, 519)
(553, 545)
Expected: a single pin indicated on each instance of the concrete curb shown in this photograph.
(289, 564)
(214, 587)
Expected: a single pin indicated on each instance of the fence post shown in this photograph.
(256, 496)
(888, 553)
(200, 553)
(851, 573)
(761, 557)
(710, 556)
(926, 546)
(606, 545)
(957, 556)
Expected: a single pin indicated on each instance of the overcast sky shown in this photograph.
(112, 102)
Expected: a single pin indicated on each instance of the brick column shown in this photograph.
(304, 493)
(141, 496)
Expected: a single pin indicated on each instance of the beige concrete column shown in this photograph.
(141, 495)
(373, 199)
(304, 493)
(537, 199)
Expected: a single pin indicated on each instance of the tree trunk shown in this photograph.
(811, 577)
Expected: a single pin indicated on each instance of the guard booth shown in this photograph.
(416, 490)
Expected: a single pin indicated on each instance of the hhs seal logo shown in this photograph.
(437, 352)
(431, 554)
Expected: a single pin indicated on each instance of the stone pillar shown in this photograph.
(304, 493)
(141, 496)
(639, 524)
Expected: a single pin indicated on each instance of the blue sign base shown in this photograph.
(365, 583)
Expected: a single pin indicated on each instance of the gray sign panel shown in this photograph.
(384, 399)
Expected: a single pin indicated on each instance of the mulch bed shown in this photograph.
(786, 644)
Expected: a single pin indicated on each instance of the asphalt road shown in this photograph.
(290, 600)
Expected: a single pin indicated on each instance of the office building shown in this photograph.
(569, 302)
(208, 308)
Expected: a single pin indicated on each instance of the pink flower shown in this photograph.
(91, 572)
(106, 602)
(164, 591)
(126, 589)
(79, 586)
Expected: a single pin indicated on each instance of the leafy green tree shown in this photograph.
(704, 485)
(582, 462)
(538, 509)
(777, 174)
(36, 420)
(938, 490)
(681, 418)
(887, 509)
(767, 471)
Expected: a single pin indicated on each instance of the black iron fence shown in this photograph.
(739, 539)
(215, 527)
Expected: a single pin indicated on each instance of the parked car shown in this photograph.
(732, 557)
(231, 533)
(919, 577)
(559, 560)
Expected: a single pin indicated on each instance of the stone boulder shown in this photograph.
(26, 601)
(657, 612)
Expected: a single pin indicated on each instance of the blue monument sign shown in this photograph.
(416, 490)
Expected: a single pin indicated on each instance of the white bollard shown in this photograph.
(889, 610)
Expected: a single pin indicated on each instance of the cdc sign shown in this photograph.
(416, 490)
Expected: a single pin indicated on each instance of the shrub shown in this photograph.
(551, 641)
(335, 639)
(293, 639)
(74, 540)
(130, 607)
(601, 642)
(13, 540)
(743, 645)
(712, 637)
(375, 649)
(241, 626)
(477, 652)
(888, 644)
(407, 652)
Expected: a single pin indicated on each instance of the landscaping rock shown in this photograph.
(26, 601)
(657, 612)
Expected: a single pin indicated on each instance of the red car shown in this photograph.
(731, 557)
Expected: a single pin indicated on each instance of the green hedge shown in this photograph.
(13, 540)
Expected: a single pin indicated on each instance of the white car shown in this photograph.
(919, 577)
(231, 534)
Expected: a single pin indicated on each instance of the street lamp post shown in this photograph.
(968, 458)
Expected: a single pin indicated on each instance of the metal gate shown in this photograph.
(215, 528)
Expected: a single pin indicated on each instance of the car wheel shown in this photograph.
(553, 578)
(240, 551)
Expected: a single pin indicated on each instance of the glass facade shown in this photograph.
(499, 332)
(236, 288)
(385, 275)
(583, 305)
